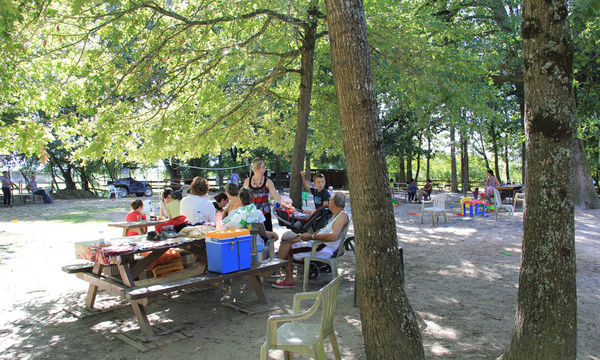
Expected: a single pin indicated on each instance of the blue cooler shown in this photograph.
(228, 250)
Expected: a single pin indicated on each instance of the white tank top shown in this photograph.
(332, 246)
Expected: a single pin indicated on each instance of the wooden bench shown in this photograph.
(77, 268)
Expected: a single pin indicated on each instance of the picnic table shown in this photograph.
(508, 191)
(122, 253)
(126, 225)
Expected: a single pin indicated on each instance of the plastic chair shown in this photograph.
(112, 191)
(520, 196)
(258, 229)
(297, 334)
(305, 198)
(439, 207)
(500, 206)
(332, 261)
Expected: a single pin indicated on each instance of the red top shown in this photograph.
(133, 216)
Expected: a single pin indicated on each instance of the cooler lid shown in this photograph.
(227, 233)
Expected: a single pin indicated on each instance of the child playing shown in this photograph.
(476, 193)
(320, 195)
(137, 206)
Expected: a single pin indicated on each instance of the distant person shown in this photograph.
(6, 185)
(425, 191)
(412, 190)
(37, 191)
(234, 178)
(221, 200)
(136, 214)
(196, 207)
(320, 195)
(261, 187)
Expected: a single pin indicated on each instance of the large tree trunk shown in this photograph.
(495, 150)
(306, 79)
(585, 194)
(546, 320)
(402, 170)
(409, 172)
(506, 161)
(521, 97)
(389, 324)
(464, 162)
(419, 159)
(453, 173)
(428, 156)
(482, 152)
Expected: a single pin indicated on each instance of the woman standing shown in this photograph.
(261, 187)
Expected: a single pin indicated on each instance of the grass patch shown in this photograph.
(77, 218)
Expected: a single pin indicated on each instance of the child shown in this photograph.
(412, 190)
(320, 195)
(476, 193)
(137, 206)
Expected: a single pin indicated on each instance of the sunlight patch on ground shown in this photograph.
(439, 350)
(439, 331)
(353, 321)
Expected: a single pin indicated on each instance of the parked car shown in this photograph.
(126, 185)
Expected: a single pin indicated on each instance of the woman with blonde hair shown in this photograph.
(261, 187)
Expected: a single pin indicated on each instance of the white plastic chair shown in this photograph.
(520, 196)
(332, 261)
(498, 205)
(112, 190)
(298, 334)
(439, 207)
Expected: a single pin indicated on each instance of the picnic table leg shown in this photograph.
(126, 275)
(93, 289)
(258, 287)
(142, 318)
(124, 231)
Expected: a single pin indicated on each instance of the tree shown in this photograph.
(389, 324)
(546, 320)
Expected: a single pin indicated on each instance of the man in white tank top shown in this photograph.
(298, 246)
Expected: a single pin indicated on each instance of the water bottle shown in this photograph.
(219, 220)
(199, 217)
(101, 241)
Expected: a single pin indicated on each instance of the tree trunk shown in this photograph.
(464, 162)
(419, 159)
(409, 173)
(220, 172)
(482, 152)
(495, 150)
(428, 156)
(506, 161)
(453, 173)
(389, 325)
(174, 173)
(402, 171)
(546, 320)
(585, 195)
(521, 97)
(306, 79)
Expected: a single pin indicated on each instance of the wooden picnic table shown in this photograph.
(121, 253)
(126, 225)
(509, 190)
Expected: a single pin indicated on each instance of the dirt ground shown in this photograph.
(461, 279)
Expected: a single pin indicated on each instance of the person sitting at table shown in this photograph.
(231, 190)
(171, 203)
(412, 190)
(425, 191)
(298, 246)
(221, 201)
(37, 191)
(196, 207)
(137, 206)
(246, 214)
(490, 184)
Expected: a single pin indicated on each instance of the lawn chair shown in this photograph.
(439, 207)
(112, 190)
(520, 196)
(297, 335)
(500, 206)
(311, 267)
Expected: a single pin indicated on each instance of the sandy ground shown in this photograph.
(459, 279)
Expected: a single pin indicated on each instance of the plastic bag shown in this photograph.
(243, 216)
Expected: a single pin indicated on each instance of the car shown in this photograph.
(126, 185)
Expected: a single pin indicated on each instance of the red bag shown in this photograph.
(176, 221)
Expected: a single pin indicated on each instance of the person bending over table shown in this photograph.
(298, 246)
(137, 206)
(196, 207)
(221, 200)
(171, 203)
(261, 187)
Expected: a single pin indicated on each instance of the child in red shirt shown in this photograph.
(136, 215)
